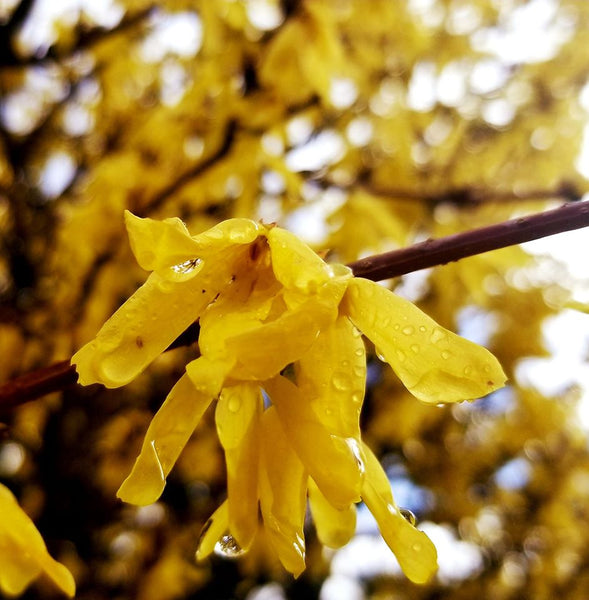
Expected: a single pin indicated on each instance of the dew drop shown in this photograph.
(408, 516)
(345, 363)
(341, 381)
(408, 330)
(356, 397)
(467, 371)
(416, 547)
(356, 332)
(359, 351)
(445, 354)
(360, 371)
(228, 547)
(486, 368)
(186, 267)
(438, 335)
(422, 328)
(380, 355)
(415, 348)
(234, 404)
(396, 326)
(384, 322)
(401, 355)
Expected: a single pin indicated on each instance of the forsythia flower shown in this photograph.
(277, 321)
(23, 554)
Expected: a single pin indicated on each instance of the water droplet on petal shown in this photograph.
(396, 326)
(228, 547)
(359, 351)
(408, 330)
(341, 381)
(401, 355)
(422, 328)
(187, 266)
(415, 348)
(467, 371)
(438, 335)
(356, 332)
(416, 547)
(234, 404)
(380, 355)
(384, 322)
(357, 397)
(445, 354)
(408, 516)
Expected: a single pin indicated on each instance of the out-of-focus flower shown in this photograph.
(23, 554)
(276, 320)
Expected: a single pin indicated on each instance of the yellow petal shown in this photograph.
(157, 244)
(414, 550)
(213, 530)
(148, 322)
(237, 418)
(295, 264)
(166, 436)
(433, 363)
(332, 375)
(334, 527)
(282, 491)
(208, 376)
(334, 462)
(23, 554)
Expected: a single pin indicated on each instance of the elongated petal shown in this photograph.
(166, 436)
(334, 527)
(147, 323)
(23, 554)
(332, 375)
(237, 418)
(414, 550)
(282, 491)
(334, 462)
(214, 529)
(433, 363)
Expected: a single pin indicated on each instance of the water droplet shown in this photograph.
(401, 355)
(415, 348)
(345, 363)
(486, 368)
(445, 354)
(359, 351)
(385, 322)
(234, 404)
(341, 381)
(422, 328)
(408, 516)
(356, 332)
(408, 330)
(467, 371)
(357, 397)
(396, 326)
(416, 547)
(187, 266)
(380, 355)
(228, 547)
(360, 371)
(438, 335)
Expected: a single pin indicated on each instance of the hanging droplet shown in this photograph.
(228, 547)
(408, 516)
(380, 355)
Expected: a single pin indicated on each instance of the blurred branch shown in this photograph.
(382, 266)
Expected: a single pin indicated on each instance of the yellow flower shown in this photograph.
(276, 320)
(23, 554)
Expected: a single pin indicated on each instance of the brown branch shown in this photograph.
(461, 245)
(382, 266)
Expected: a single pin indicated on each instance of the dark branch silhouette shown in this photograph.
(382, 266)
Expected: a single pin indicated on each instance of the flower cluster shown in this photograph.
(23, 554)
(281, 351)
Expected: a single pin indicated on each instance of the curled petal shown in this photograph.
(332, 375)
(157, 244)
(23, 554)
(295, 264)
(237, 418)
(334, 462)
(433, 363)
(282, 491)
(414, 550)
(213, 530)
(334, 527)
(166, 436)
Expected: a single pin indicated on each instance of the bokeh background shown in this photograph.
(362, 126)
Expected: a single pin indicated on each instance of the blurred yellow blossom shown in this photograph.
(281, 349)
(23, 554)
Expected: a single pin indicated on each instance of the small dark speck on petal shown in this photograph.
(490, 383)
(203, 291)
(139, 342)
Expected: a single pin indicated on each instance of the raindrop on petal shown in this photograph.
(228, 547)
(438, 335)
(408, 516)
(408, 330)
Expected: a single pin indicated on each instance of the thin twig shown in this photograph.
(382, 266)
